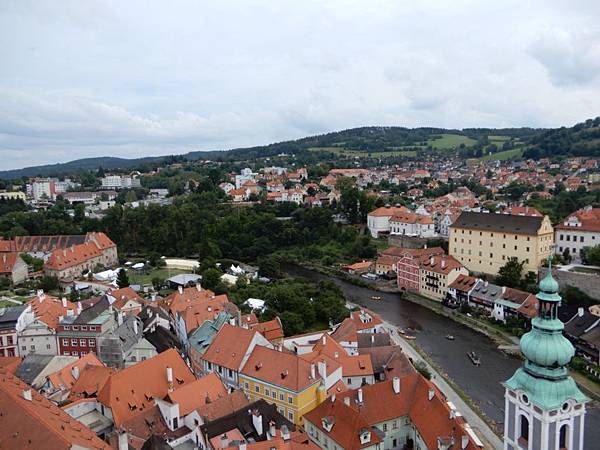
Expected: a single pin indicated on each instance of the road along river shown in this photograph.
(483, 383)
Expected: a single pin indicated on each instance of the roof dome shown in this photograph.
(549, 284)
(547, 349)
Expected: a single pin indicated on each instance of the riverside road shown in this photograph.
(482, 384)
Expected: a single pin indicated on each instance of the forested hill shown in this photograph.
(581, 140)
(380, 142)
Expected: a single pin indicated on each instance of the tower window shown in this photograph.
(563, 437)
(523, 431)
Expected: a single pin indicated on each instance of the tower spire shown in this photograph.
(542, 383)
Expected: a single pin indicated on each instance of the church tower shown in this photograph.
(544, 408)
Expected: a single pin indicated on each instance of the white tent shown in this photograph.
(138, 266)
(107, 275)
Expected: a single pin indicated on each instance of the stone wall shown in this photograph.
(587, 282)
(398, 240)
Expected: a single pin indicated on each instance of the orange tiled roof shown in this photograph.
(195, 314)
(7, 261)
(435, 263)
(229, 346)
(389, 211)
(463, 283)
(271, 329)
(101, 239)
(224, 406)
(131, 391)
(356, 317)
(180, 300)
(38, 423)
(197, 394)
(10, 363)
(77, 254)
(64, 379)
(279, 368)
(90, 381)
(352, 366)
(48, 309)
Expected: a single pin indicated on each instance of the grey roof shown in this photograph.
(32, 366)
(503, 223)
(89, 314)
(366, 340)
(592, 337)
(126, 334)
(580, 324)
(184, 278)
(202, 336)
(488, 292)
(162, 339)
(9, 316)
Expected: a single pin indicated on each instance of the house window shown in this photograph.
(65, 342)
(74, 342)
(83, 327)
(281, 397)
(91, 342)
(257, 388)
(75, 328)
(267, 392)
(274, 395)
(385, 427)
(66, 328)
(67, 353)
(291, 415)
(92, 327)
(290, 399)
(82, 342)
(563, 437)
(246, 386)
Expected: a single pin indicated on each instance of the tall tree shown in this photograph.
(122, 279)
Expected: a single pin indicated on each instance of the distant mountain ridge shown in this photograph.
(582, 139)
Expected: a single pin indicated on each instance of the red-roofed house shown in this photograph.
(13, 267)
(581, 229)
(436, 273)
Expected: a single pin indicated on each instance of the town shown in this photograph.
(162, 307)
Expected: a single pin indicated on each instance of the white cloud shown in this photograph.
(138, 77)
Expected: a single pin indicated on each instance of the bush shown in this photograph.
(422, 369)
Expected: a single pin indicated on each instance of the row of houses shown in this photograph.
(65, 256)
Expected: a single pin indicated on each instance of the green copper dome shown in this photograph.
(547, 348)
(549, 285)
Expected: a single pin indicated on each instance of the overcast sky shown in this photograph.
(86, 78)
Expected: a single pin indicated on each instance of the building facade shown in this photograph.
(578, 231)
(484, 242)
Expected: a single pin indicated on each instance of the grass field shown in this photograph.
(503, 156)
(145, 277)
(498, 138)
(450, 141)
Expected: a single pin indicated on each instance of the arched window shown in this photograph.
(563, 438)
(523, 429)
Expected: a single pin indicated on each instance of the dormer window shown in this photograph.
(328, 423)
(365, 436)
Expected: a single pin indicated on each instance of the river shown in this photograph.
(483, 383)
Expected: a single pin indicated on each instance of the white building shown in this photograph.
(120, 182)
(581, 229)
(378, 220)
(411, 224)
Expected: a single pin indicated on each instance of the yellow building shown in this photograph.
(293, 384)
(436, 273)
(484, 242)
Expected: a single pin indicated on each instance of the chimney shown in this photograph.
(580, 312)
(333, 398)
(464, 441)
(396, 384)
(232, 322)
(123, 444)
(79, 308)
(322, 370)
(272, 429)
(198, 287)
(347, 401)
(41, 295)
(27, 394)
(135, 326)
(359, 396)
(170, 378)
(75, 372)
(430, 394)
(324, 339)
(120, 318)
(257, 422)
(153, 296)
(224, 441)
(242, 446)
(180, 289)
(285, 432)
(313, 374)
(64, 302)
(443, 265)
(503, 289)
(431, 261)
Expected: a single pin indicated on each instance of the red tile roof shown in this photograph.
(91, 379)
(196, 313)
(463, 283)
(280, 369)
(229, 346)
(38, 423)
(440, 264)
(352, 366)
(180, 300)
(64, 379)
(389, 211)
(272, 330)
(7, 261)
(77, 254)
(195, 395)
(48, 309)
(131, 391)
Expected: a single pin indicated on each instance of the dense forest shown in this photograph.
(581, 140)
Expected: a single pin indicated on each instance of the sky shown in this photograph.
(86, 78)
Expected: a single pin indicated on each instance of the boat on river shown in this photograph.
(375, 297)
(450, 337)
(410, 338)
(474, 358)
